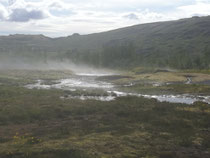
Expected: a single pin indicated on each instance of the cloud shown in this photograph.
(201, 7)
(16, 4)
(23, 15)
(203, 1)
(25, 10)
(131, 16)
(58, 8)
(3, 12)
(1, 15)
(64, 17)
(11, 2)
(58, 5)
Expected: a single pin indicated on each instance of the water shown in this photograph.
(74, 82)
(87, 81)
(38, 85)
(83, 97)
(189, 80)
(186, 99)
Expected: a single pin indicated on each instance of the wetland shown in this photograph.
(118, 114)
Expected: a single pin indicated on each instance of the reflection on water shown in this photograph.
(84, 82)
(83, 97)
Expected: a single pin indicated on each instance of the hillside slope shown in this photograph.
(181, 44)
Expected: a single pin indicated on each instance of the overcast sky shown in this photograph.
(63, 17)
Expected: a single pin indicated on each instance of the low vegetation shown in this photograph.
(38, 124)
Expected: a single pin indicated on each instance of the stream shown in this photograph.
(87, 82)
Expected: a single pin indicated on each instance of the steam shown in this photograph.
(18, 63)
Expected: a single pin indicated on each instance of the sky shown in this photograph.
(55, 18)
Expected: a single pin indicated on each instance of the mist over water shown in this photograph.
(78, 69)
(84, 78)
(20, 64)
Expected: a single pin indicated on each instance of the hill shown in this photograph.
(181, 44)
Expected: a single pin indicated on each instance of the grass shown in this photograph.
(170, 81)
(38, 124)
(193, 89)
